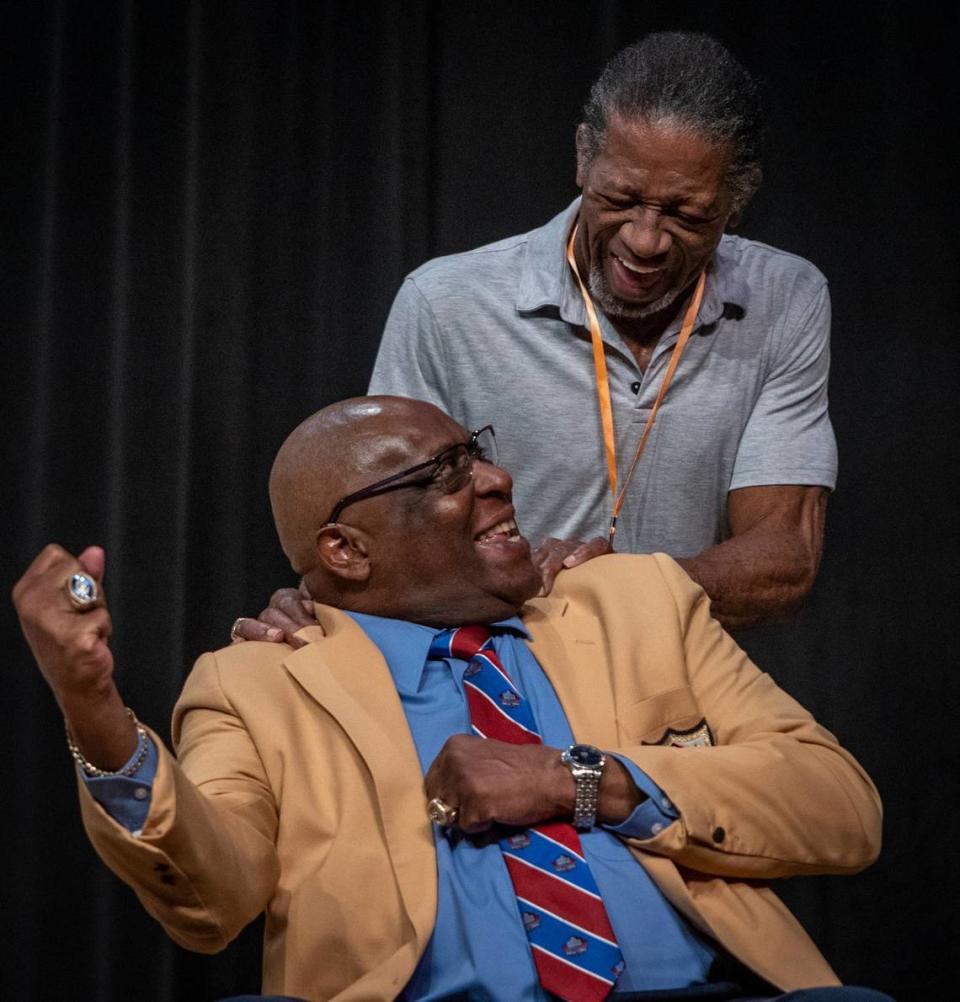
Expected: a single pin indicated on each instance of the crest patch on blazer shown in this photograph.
(698, 736)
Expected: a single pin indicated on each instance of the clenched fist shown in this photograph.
(494, 782)
(71, 648)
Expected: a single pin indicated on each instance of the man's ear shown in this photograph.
(750, 184)
(342, 550)
(582, 161)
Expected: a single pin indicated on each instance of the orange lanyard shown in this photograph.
(603, 383)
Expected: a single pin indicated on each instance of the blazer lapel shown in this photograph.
(347, 675)
(569, 646)
(570, 649)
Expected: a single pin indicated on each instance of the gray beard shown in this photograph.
(613, 307)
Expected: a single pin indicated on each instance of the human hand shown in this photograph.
(71, 648)
(70, 645)
(555, 555)
(290, 610)
(494, 782)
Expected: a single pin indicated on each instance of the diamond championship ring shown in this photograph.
(82, 591)
(440, 813)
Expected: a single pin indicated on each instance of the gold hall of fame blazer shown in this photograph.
(298, 790)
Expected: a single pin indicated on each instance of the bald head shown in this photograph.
(332, 453)
(420, 549)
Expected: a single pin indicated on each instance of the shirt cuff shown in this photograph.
(126, 798)
(652, 815)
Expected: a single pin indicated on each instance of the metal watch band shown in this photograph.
(585, 805)
(587, 780)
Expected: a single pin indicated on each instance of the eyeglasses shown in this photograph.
(450, 470)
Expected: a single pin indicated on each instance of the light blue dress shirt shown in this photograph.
(479, 948)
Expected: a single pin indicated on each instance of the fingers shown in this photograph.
(49, 558)
(275, 619)
(291, 604)
(246, 628)
(93, 560)
(287, 613)
(48, 574)
(549, 557)
(554, 555)
(595, 547)
(448, 779)
(92, 644)
(493, 782)
(69, 644)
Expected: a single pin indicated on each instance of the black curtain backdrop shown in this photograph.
(207, 210)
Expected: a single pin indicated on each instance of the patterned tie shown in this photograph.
(573, 946)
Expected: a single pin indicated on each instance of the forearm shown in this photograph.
(99, 724)
(765, 570)
(755, 578)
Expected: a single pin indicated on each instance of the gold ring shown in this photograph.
(82, 591)
(233, 629)
(440, 813)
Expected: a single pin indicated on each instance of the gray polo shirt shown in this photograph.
(497, 335)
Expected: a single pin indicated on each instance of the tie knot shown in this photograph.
(463, 642)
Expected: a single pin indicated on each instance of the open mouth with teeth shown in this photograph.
(502, 532)
(636, 278)
(637, 269)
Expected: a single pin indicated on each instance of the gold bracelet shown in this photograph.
(143, 746)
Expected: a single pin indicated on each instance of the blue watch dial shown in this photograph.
(585, 755)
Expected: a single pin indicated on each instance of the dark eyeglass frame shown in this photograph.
(392, 483)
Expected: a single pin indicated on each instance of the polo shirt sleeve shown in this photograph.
(410, 362)
(788, 438)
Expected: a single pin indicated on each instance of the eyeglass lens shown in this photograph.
(456, 466)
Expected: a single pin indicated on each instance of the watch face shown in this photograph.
(585, 755)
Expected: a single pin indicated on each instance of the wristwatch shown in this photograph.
(586, 766)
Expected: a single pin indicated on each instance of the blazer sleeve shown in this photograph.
(775, 795)
(204, 864)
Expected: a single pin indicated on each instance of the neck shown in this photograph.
(646, 331)
(436, 617)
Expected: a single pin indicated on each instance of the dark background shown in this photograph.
(207, 210)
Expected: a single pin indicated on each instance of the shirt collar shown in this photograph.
(405, 645)
(546, 279)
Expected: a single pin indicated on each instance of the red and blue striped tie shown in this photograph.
(574, 948)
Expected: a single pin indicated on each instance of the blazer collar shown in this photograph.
(569, 647)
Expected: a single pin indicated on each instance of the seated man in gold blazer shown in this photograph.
(424, 811)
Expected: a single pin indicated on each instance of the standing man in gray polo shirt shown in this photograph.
(738, 464)
(736, 471)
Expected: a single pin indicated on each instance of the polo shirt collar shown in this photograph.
(546, 280)
(545, 277)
